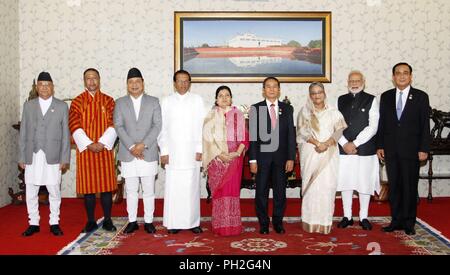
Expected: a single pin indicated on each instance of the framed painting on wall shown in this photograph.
(250, 46)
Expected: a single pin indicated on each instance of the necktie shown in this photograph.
(399, 106)
(273, 116)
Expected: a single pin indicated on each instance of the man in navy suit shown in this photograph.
(403, 141)
(271, 153)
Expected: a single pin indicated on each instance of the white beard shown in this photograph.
(355, 91)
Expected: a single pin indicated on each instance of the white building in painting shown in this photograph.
(249, 40)
(253, 61)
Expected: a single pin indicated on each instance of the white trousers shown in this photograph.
(347, 199)
(148, 196)
(32, 198)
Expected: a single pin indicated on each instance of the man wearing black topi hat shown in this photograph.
(137, 119)
(44, 146)
(92, 128)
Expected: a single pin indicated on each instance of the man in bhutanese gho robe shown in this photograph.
(92, 128)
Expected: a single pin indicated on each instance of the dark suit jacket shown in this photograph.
(406, 137)
(285, 125)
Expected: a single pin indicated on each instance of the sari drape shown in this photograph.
(224, 179)
(319, 170)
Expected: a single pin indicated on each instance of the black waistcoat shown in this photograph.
(355, 110)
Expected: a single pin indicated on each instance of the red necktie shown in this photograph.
(273, 116)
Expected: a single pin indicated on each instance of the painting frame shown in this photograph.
(182, 18)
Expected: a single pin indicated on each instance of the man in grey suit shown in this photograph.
(137, 120)
(44, 146)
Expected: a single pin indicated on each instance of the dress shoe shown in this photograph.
(345, 222)
(31, 230)
(264, 230)
(391, 228)
(131, 227)
(365, 224)
(149, 228)
(197, 230)
(410, 231)
(90, 226)
(108, 225)
(173, 231)
(56, 230)
(279, 228)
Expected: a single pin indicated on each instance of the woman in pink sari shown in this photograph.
(225, 140)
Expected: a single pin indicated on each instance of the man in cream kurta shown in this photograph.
(44, 151)
(180, 144)
(137, 119)
(359, 167)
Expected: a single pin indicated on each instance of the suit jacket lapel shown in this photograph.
(141, 107)
(280, 112)
(38, 109)
(408, 102)
(263, 104)
(129, 103)
(51, 109)
(393, 103)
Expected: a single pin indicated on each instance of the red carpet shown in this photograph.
(73, 217)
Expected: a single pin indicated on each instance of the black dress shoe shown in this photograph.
(56, 230)
(149, 228)
(173, 231)
(391, 228)
(131, 227)
(108, 225)
(90, 226)
(264, 230)
(345, 222)
(279, 228)
(31, 230)
(196, 230)
(410, 231)
(365, 224)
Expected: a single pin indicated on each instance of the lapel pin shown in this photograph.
(410, 96)
(52, 110)
(363, 109)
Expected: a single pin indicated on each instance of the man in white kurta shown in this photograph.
(359, 167)
(137, 119)
(180, 145)
(44, 151)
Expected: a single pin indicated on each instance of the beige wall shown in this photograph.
(9, 94)
(65, 37)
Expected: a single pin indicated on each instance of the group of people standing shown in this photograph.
(338, 150)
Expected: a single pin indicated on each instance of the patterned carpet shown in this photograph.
(350, 241)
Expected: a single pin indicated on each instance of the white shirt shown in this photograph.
(136, 104)
(276, 107)
(45, 104)
(404, 96)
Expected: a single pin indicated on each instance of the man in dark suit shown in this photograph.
(403, 141)
(271, 153)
